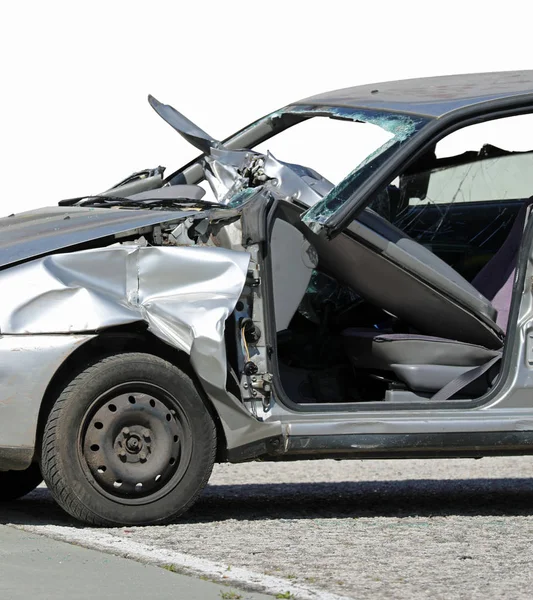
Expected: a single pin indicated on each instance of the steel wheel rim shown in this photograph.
(135, 443)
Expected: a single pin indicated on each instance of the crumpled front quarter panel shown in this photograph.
(184, 294)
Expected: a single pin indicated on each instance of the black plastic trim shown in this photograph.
(420, 445)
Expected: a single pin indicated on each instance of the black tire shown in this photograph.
(129, 417)
(15, 484)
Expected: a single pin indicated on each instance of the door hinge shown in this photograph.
(258, 387)
(253, 277)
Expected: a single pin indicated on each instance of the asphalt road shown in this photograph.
(440, 529)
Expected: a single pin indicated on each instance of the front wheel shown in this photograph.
(128, 442)
(15, 484)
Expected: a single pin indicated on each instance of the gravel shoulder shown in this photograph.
(358, 529)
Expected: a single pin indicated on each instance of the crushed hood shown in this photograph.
(39, 232)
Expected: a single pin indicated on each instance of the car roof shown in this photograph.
(431, 96)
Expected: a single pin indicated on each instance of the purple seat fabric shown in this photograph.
(495, 280)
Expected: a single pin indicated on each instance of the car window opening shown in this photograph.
(370, 327)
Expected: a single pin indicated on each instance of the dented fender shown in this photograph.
(183, 294)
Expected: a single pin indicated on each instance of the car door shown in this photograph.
(413, 137)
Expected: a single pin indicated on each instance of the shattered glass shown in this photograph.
(230, 168)
(402, 127)
(325, 293)
(460, 207)
(241, 197)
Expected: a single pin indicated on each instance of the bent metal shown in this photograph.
(151, 330)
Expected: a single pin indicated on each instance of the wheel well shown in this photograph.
(115, 342)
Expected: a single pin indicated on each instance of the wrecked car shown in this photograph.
(248, 307)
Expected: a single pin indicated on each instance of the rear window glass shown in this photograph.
(502, 176)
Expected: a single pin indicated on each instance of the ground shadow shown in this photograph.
(398, 499)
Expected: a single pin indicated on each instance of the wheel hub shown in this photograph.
(135, 443)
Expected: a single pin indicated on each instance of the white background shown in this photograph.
(73, 113)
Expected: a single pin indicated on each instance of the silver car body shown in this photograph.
(74, 274)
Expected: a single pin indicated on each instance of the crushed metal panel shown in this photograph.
(184, 294)
(184, 126)
(37, 232)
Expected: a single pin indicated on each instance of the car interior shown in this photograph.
(411, 302)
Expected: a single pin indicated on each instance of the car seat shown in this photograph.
(429, 364)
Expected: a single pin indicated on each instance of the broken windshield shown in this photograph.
(305, 157)
(329, 146)
(237, 164)
(400, 128)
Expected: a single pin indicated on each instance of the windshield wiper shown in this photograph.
(106, 201)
